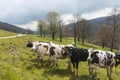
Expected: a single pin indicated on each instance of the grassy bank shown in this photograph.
(17, 62)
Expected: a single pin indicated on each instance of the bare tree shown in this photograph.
(66, 32)
(104, 34)
(84, 29)
(114, 20)
(76, 19)
(41, 26)
(61, 27)
(53, 20)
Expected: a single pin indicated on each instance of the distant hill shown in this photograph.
(94, 22)
(11, 28)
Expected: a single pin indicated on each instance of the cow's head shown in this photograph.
(29, 44)
(94, 58)
(65, 51)
(35, 47)
(70, 51)
(117, 56)
(90, 51)
(92, 55)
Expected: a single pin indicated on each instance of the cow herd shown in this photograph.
(96, 58)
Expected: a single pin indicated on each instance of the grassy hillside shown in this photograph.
(6, 33)
(17, 62)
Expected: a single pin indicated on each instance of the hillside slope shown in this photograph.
(17, 62)
(11, 28)
(4, 33)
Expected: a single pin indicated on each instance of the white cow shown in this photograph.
(40, 49)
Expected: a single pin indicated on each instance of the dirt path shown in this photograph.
(19, 35)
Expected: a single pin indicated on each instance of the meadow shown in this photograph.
(18, 62)
(6, 33)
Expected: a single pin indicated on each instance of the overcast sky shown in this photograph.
(24, 11)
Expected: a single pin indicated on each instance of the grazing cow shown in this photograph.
(117, 59)
(57, 52)
(98, 58)
(40, 48)
(76, 55)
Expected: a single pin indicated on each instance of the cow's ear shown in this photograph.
(45, 46)
(53, 47)
(97, 52)
(40, 44)
(65, 48)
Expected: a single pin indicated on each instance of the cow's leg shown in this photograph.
(116, 64)
(115, 70)
(52, 61)
(96, 71)
(73, 68)
(90, 71)
(110, 72)
(69, 63)
(107, 71)
(77, 69)
(40, 60)
(56, 63)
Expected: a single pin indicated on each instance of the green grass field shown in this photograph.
(6, 33)
(17, 62)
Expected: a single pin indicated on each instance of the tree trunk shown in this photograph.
(53, 37)
(103, 45)
(75, 34)
(60, 35)
(112, 45)
(78, 38)
(44, 34)
(41, 33)
(60, 38)
(83, 40)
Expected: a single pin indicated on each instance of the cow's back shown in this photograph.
(79, 54)
(83, 54)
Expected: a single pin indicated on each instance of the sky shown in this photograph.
(21, 12)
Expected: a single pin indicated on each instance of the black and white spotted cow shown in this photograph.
(57, 52)
(100, 59)
(117, 59)
(76, 55)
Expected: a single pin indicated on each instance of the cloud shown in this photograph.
(67, 18)
(97, 14)
(24, 11)
(31, 25)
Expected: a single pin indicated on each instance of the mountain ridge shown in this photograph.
(12, 28)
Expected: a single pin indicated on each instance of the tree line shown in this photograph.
(108, 34)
